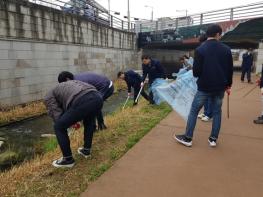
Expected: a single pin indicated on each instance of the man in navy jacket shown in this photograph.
(134, 80)
(153, 69)
(213, 66)
(260, 118)
(101, 83)
(247, 64)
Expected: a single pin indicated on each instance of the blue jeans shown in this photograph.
(198, 102)
(208, 109)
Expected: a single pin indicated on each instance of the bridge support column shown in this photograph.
(259, 60)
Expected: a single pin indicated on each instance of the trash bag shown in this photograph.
(179, 94)
(153, 88)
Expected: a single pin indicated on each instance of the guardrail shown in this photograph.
(249, 11)
(88, 9)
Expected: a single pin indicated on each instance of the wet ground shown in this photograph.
(22, 140)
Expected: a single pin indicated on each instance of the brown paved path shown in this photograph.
(160, 167)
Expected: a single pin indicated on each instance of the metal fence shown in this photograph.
(249, 11)
(89, 9)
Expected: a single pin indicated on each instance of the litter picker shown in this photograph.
(228, 105)
(137, 98)
(126, 102)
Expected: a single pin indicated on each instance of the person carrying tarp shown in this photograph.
(154, 70)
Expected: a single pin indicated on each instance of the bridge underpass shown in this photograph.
(240, 31)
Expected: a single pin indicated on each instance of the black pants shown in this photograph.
(107, 94)
(246, 71)
(151, 98)
(143, 93)
(85, 108)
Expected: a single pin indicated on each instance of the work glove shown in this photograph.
(142, 84)
(228, 90)
(76, 126)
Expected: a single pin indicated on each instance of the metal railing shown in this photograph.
(249, 11)
(88, 9)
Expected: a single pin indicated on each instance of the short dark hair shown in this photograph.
(64, 75)
(120, 73)
(212, 30)
(203, 38)
(181, 58)
(146, 56)
(185, 56)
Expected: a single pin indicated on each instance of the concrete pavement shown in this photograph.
(159, 166)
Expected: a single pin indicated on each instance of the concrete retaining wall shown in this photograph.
(36, 43)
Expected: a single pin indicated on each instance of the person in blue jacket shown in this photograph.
(259, 120)
(100, 82)
(133, 80)
(213, 66)
(247, 65)
(154, 70)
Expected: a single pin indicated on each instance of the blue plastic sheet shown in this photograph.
(179, 94)
(159, 82)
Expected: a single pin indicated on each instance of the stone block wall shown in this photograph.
(37, 43)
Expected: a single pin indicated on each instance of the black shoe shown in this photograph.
(258, 121)
(102, 126)
(183, 140)
(84, 152)
(64, 162)
(260, 117)
(212, 142)
(135, 103)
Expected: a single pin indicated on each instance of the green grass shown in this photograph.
(50, 144)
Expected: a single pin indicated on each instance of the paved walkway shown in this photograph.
(160, 167)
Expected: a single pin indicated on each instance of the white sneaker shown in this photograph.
(212, 142)
(206, 119)
(201, 116)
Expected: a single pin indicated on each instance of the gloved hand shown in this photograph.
(228, 90)
(142, 84)
(258, 82)
(76, 126)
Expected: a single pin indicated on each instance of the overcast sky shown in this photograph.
(163, 8)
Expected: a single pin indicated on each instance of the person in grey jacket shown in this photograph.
(68, 103)
(100, 82)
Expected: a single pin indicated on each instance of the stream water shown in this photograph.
(22, 139)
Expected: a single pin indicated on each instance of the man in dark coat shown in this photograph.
(247, 65)
(133, 80)
(213, 66)
(154, 70)
(260, 83)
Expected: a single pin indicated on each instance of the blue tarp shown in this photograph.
(179, 94)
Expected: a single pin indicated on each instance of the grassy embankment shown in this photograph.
(39, 178)
(21, 112)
